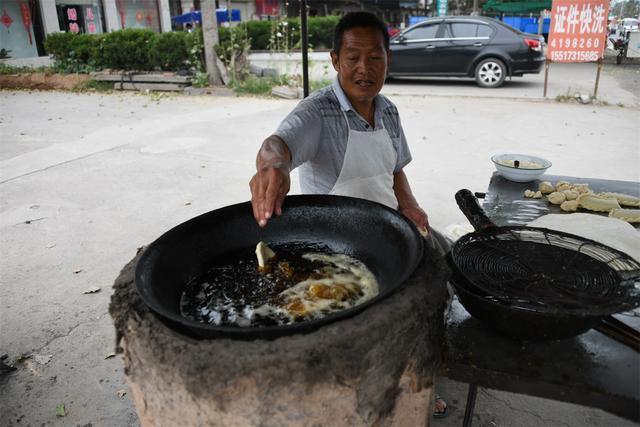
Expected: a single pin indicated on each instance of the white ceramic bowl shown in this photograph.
(530, 167)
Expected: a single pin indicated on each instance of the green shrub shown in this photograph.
(128, 50)
(195, 47)
(263, 34)
(144, 50)
(169, 51)
(321, 31)
(59, 45)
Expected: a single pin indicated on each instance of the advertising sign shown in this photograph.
(442, 7)
(578, 30)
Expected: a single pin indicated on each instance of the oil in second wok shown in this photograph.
(299, 284)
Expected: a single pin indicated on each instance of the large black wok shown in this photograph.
(532, 283)
(387, 242)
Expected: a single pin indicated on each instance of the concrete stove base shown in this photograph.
(375, 368)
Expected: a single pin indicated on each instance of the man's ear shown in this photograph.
(334, 61)
(388, 57)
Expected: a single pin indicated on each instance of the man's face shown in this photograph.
(361, 63)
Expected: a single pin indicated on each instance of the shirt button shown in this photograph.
(366, 126)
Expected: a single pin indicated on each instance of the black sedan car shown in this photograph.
(465, 46)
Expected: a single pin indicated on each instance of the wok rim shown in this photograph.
(205, 330)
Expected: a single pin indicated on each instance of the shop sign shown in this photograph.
(91, 26)
(578, 30)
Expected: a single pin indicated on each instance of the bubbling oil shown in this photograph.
(299, 284)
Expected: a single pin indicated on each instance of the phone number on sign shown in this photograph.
(564, 55)
(575, 43)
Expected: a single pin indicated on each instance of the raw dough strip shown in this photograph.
(623, 199)
(597, 204)
(569, 206)
(629, 215)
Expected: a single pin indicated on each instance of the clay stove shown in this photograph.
(375, 368)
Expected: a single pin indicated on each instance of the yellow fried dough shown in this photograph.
(596, 203)
(629, 215)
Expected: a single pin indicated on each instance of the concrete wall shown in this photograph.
(291, 64)
(15, 38)
(111, 16)
(165, 16)
(49, 16)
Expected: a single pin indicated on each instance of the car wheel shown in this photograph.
(490, 73)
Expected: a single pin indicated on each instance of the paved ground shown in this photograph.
(87, 179)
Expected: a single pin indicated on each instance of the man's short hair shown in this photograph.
(355, 20)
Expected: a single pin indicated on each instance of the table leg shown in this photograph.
(471, 404)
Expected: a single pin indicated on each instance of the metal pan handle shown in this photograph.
(470, 207)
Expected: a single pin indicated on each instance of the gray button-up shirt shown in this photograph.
(316, 133)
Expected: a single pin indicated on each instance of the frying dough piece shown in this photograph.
(569, 206)
(545, 187)
(537, 195)
(264, 254)
(571, 194)
(623, 199)
(608, 231)
(556, 197)
(629, 215)
(597, 204)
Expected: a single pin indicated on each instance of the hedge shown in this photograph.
(263, 34)
(144, 50)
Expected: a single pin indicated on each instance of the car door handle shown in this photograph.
(430, 46)
(477, 44)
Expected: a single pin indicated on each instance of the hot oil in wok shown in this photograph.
(299, 284)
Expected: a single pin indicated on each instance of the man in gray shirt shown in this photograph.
(347, 138)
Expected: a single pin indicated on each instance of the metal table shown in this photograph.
(590, 369)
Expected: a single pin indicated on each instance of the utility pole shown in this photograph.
(475, 8)
(210, 36)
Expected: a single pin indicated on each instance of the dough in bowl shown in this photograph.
(611, 232)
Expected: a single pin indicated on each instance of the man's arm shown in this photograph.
(271, 182)
(407, 204)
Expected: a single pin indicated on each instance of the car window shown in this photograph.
(484, 31)
(422, 32)
(509, 27)
(463, 29)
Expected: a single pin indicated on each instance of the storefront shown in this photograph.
(21, 31)
(139, 14)
(24, 24)
(80, 16)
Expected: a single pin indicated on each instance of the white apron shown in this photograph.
(367, 171)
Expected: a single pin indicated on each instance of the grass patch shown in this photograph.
(315, 85)
(258, 85)
(94, 86)
(11, 69)
(263, 85)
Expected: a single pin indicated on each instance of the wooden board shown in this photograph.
(168, 87)
(140, 77)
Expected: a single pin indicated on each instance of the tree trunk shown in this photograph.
(210, 36)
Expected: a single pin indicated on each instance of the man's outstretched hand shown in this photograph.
(268, 187)
(271, 182)
(417, 216)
